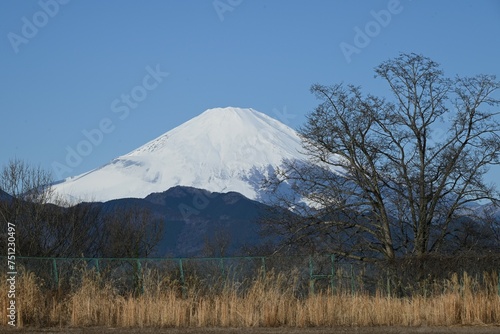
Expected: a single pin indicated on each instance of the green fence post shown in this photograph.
(222, 266)
(182, 279)
(140, 285)
(352, 281)
(498, 279)
(388, 284)
(54, 268)
(263, 266)
(96, 261)
(332, 278)
(311, 279)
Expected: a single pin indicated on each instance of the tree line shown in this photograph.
(48, 226)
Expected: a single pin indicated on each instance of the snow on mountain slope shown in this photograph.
(221, 150)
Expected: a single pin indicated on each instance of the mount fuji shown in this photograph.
(221, 150)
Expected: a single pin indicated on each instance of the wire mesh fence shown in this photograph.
(311, 274)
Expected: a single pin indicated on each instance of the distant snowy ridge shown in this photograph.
(221, 150)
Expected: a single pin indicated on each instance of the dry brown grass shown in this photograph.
(268, 301)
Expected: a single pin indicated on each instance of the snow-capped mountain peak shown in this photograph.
(221, 150)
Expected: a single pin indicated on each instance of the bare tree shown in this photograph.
(217, 245)
(389, 181)
(42, 228)
(130, 233)
(24, 206)
(45, 229)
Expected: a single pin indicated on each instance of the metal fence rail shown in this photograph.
(128, 272)
(312, 273)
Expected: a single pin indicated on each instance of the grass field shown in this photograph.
(331, 330)
(269, 301)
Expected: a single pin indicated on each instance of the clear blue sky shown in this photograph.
(66, 65)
